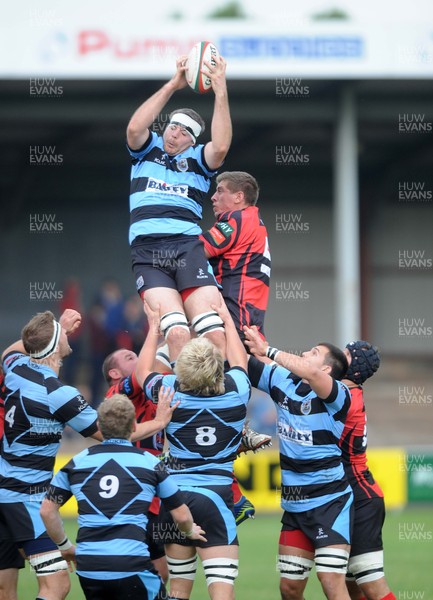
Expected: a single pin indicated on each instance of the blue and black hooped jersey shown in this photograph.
(38, 406)
(167, 193)
(309, 430)
(205, 431)
(114, 483)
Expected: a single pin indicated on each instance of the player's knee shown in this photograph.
(208, 323)
(220, 570)
(331, 560)
(182, 568)
(175, 325)
(53, 574)
(291, 589)
(367, 567)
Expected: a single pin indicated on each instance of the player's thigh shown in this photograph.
(10, 557)
(218, 551)
(26, 528)
(167, 299)
(201, 300)
(180, 552)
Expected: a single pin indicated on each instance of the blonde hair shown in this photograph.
(200, 368)
(116, 417)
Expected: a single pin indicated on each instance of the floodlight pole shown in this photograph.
(346, 221)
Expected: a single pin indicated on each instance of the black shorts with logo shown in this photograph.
(211, 508)
(324, 525)
(367, 526)
(176, 262)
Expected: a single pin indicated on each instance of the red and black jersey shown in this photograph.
(353, 444)
(240, 257)
(145, 410)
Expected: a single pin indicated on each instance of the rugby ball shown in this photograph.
(200, 52)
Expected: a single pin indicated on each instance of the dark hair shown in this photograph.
(240, 181)
(190, 113)
(336, 359)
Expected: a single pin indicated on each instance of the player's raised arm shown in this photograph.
(146, 358)
(309, 366)
(221, 128)
(137, 131)
(235, 350)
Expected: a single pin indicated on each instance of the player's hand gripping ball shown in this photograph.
(200, 52)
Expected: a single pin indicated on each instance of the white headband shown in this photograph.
(192, 127)
(52, 344)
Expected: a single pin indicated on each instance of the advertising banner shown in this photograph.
(79, 40)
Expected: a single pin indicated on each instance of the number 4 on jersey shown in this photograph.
(10, 416)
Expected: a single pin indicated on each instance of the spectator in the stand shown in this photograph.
(100, 346)
(134, 325)
(111, 298)
(105, 322)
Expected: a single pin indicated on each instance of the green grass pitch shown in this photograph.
(408, 540)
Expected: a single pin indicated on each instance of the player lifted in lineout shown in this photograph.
(170, 177)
